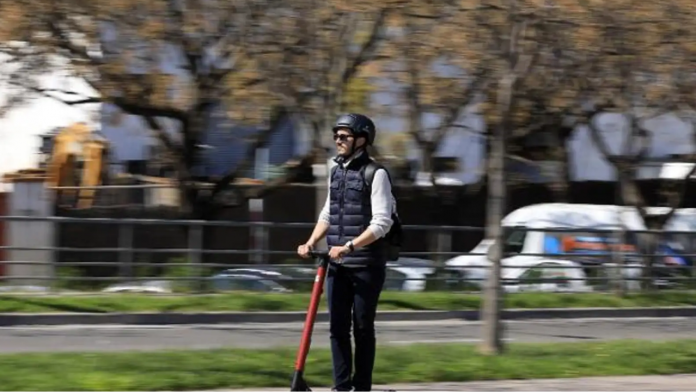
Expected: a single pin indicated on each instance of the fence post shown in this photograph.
(619, 261)
(195, 245)
(441, 241)
(125, 250)
(54, 284)
(259, 236)
(444, 244)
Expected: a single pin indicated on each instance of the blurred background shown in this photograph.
(182, 146)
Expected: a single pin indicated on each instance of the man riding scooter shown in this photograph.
(355, 219)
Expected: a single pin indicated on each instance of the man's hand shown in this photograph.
(303, 250)
(337, 252)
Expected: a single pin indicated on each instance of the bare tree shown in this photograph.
(446, 61)
(529, 51)
(641, 70)
(325, 67)
(516, 63)
(118, 48)
(419, 60)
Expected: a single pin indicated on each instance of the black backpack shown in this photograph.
(394, 238)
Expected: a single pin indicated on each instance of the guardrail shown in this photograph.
(560, 271)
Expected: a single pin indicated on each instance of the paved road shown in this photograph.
(684, 382)
(121, 337)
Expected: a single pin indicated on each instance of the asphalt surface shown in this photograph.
(125, 338)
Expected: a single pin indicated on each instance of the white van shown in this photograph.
(530, 248)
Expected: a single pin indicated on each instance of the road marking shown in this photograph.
(436, 341)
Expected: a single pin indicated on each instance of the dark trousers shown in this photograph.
(352, 294)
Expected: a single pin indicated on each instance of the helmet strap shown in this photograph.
(354, 148)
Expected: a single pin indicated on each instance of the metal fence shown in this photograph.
(584, 260)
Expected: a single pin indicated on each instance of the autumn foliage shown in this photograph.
(534, 65)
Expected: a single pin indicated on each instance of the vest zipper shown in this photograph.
(343, 200)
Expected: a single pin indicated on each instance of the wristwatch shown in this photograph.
(350, 246)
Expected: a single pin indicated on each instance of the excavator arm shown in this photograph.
(92, 172)
(77, 159)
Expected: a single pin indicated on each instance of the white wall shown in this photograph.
(21, 126)
(669, 135)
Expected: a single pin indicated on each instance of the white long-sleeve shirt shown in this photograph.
(382, 200)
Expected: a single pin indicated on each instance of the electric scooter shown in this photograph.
(298, 381)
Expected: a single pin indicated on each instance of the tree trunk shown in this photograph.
(492, 294)
(562, 184)
(428, 150)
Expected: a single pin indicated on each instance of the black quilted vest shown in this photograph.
(351, 212)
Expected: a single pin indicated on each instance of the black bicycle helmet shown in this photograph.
(359, 124)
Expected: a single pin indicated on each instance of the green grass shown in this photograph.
(244, 301)
(186, 370)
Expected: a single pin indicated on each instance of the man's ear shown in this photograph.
(360, 141)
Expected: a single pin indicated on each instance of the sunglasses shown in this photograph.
(343, 138)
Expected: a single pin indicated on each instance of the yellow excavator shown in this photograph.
(77, 158)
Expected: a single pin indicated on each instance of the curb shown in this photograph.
(18, 319)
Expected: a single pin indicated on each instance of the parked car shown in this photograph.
(145, 286)
(248, 280)
(546, 276)
(408, 274)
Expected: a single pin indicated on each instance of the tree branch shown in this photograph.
(260, 140)
(367, 50)
(163, 137)
(293, 168)
(47, 93)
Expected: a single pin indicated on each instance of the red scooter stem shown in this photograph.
(298, 382)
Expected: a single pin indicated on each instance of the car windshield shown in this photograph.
(514, 243)
(271, 284)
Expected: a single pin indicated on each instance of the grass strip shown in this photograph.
(209, 369)
(249, 302)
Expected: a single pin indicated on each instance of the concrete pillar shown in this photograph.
(30, 198)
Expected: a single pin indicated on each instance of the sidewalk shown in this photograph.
(684, 382)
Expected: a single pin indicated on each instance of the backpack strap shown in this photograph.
(369, 171)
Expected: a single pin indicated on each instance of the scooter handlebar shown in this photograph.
(322, 254)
